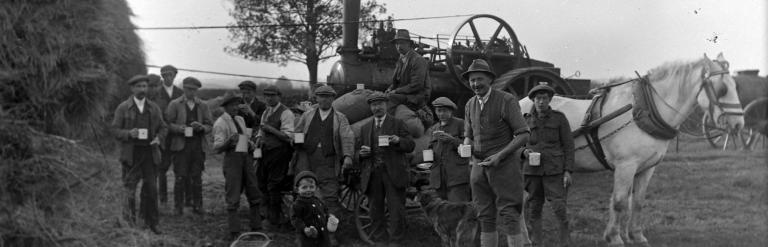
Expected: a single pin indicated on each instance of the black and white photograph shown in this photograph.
(387, 123)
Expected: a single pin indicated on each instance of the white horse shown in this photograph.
(632, 152)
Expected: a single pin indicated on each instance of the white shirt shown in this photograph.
(324, 113)
(169, 90)
(140, 103)
(287, 119)
(379, 121)
(484, 99)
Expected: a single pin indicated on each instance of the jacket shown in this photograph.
(392, 157)
(121, 126)
(448, 166)
(550, 136)
(413, 77)
(223, 129)
(176, 117)
(343, 140)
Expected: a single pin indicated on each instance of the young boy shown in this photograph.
(310, 216)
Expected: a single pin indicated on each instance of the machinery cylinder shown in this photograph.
(351, 26)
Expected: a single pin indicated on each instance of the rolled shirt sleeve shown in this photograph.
(287, 120)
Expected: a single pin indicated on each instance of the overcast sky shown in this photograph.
(599, 38)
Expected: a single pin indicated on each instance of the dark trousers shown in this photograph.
(498, 192)
(239, 177)
(324, 168)
(143, 169)
(545, 187)
(162, 169)
(382, 193)
(189, 164)
(272, 176)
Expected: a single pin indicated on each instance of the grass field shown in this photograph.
(697, 197)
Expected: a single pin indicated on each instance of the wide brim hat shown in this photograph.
(401, 34)
(137, 78)
(302, 175)
(444, 102)
(231, 98)
(541, 87)
(376, 96)
(479, 65)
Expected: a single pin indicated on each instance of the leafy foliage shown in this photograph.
(282, 31)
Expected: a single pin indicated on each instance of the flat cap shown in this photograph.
(325, 90)
(376, 96)
(444, 102)
(168, 68)
(231, 98)
(541, 87)
(191, 82)
(272, 90)
(247, 85)
(137, 78)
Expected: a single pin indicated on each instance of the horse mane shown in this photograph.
(678, 71)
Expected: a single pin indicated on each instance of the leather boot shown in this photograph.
(489, 239)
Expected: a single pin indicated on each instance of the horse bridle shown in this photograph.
(714, 99)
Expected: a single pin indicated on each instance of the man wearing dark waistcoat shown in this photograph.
(167, 93)
(381, 150)
(252, 108)
(550, 178)
(275, 134)
(189, 121)
(496, 130)
(139, 127)
(450, 172)
(239, 173)
(327, 149)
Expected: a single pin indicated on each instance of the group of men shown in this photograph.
(173, 125)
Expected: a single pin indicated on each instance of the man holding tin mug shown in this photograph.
(549, 154)
(450, 173)
(496, 130)
(381, 148)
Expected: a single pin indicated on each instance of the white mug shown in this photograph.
(188, 131)
(534, 158)
(257, 153)
(360, 86)
(298, 137)
(383, 141)
(465, 151)
(333, 223)
(143, 134)
(248, 132)
(428, 155)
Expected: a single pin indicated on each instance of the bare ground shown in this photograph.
(697, 197)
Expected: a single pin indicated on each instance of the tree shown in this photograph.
(282, 31)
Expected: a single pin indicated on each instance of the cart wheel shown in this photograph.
(720, 137)
(363, 220)
(350, 195)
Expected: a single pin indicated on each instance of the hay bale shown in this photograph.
(354, 105)
(63, 61)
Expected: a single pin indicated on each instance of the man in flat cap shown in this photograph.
(153, 87)
(550, 177)
(381, 151)
(239, 174)
(252, 109)
(496, 130)
(164, 96)
(275, 137)
(189, 122)
(139, 127)
(327, 148)
(450, 172)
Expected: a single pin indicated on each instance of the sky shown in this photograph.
(598, 38)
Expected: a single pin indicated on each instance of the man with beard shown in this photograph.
(381, 148)
(327, 148)
(166, 94)
(239, 174)
(139, 127)
(253, 108)
(189, 121)
(495, 129)
(277, 128)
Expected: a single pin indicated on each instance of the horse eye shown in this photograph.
(721, 91)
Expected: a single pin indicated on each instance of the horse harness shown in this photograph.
(645, 114)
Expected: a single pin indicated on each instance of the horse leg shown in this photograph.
(635, 225)
(623, 179)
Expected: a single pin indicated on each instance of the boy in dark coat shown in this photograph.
(310, 216)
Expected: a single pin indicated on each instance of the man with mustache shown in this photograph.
(495, 129)
(410, 82)
(139, 127)
(167, 93)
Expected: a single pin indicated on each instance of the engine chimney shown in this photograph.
(351, 16)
